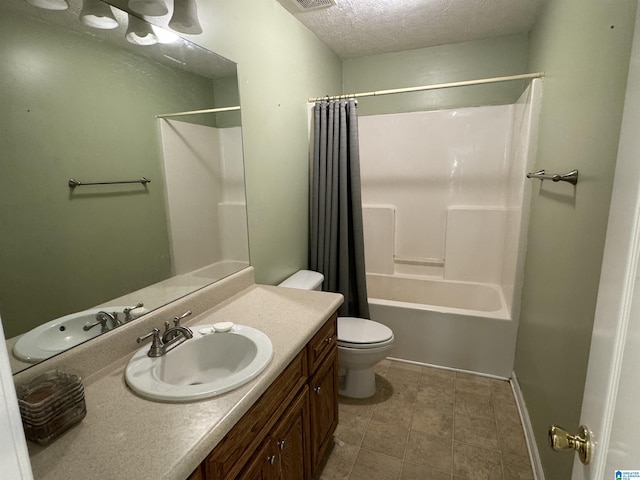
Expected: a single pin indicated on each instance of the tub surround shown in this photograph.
(460, 325)
(125, 436)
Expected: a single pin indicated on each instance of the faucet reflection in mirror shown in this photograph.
(69, 254)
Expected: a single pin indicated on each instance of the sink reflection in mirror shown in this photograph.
(62, 333)
(209, 364)
(83, 103)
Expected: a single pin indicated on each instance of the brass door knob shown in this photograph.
(560, 440)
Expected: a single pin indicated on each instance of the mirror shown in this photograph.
(81, 103)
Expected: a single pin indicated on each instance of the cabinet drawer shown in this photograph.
(322, 343)
(236, 447)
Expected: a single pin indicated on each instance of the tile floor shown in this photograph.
(429, 424)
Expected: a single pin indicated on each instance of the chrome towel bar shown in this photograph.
(571, 177)
(73, 183)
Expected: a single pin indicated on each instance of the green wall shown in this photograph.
(72, 109)
(584, 48)
(446, 63)
(280, 65)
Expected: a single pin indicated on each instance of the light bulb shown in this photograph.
(185, 17)
(140, 32)
(49, 4)
(97, 14)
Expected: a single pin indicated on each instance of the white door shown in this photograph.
(612, 389)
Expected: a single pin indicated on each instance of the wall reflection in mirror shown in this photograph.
(82, 102)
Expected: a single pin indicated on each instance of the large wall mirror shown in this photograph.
(86, 104)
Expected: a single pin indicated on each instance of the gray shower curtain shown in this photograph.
(336, 231)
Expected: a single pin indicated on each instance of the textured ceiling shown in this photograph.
(354, 28)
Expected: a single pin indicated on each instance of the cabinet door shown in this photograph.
(197, 474)
(291, 440)
(324, 407)
(263, 465)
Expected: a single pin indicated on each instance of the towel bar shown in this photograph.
(571, 177)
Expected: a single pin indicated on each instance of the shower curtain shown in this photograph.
(336, 233)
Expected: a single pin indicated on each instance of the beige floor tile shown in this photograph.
(436, 391)
(375, 466)
(467, 385)
(439, 382)
(406, 365)
(340, 463)
(406, 392)
(477, 406)
(429, 451)
(505, 411)
(436, 421)
(476, 431)
(502, 389)
(511, 438)
(474, 463)
(435, 398)
(474, 378)
(418, 472)
(412, 406)
(351, 430)
(348, 409)
(516, 467)
(395, 412)
(438, 373)
(386, 438)
(404, 373)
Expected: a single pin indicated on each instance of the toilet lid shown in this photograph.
(361, 331)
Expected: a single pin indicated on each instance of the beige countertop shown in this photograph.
(127, 437)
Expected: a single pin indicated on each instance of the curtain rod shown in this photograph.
(465, 83)
(195, 112)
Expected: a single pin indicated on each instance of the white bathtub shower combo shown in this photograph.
(444, 204)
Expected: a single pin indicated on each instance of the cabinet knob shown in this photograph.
(281, 444)
(317, 390)
(329, 339)
(271, 459)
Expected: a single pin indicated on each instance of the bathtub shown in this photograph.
(460, 325)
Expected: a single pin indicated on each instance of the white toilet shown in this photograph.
(361, 343)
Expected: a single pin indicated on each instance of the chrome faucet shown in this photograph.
(127, 312)
(177, 330)
(171, 338)
(102, 318)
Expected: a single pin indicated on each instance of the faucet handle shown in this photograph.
(156, 343)
(176, 320)
(127, 311)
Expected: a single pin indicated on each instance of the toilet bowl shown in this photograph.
(361, 343)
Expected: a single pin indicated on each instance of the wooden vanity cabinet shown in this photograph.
(284, 454)
(324, 409)
(286, 433)
(198, 473)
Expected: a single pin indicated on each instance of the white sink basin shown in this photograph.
(62, 333)
(207, 365)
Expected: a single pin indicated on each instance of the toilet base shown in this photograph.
(358, 383)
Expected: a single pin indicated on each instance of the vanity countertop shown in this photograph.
(127, 437)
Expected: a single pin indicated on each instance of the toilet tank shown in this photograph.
(304, 280)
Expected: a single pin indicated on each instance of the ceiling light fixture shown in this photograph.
(97, 14)
(152, 8)
(49, 4)
(185, 17)
(139, 32)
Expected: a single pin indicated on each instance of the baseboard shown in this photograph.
(480, 374)
(534, 454)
